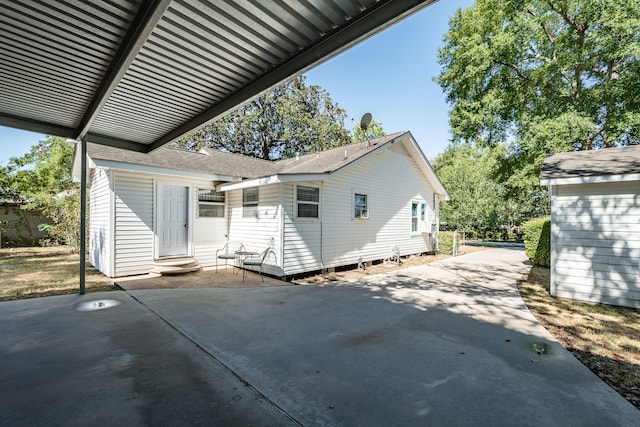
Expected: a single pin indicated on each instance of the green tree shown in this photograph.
(293, 117)
(374, 130)
(546, 76)
(42, 180)
(540, 77)
(480, 199)
(516, 69)
(466, 172)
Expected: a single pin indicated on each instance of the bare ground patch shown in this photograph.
(38, 272)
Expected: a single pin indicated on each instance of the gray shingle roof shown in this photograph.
(331, 160)
(609, 161)
(216, 162)
(212, 162)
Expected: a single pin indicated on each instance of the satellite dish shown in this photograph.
(365, 120)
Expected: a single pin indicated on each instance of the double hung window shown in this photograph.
(210, 203)
(250, 202)
(414, 217)
(308, 199)
(360, 206)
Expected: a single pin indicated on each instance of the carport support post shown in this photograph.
(83, 212)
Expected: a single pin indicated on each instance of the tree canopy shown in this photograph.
(527, 78)
(521, 69)
(374, 130)
(41, 180)
(293, 117)
(45, 169)
(479, 200)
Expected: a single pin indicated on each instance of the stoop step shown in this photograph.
(175, 266)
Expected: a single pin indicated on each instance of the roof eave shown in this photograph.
(426, 167)
(592, 179)
(273, 179)
(159, 170)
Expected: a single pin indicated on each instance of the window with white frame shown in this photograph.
(210, 203)
(360, 206)
(250, 202)
(308, 200)
(414, 217)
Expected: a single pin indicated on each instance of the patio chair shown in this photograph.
(227, 252)
(256, 261)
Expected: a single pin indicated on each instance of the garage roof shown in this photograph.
(604, 165)
(137, 74)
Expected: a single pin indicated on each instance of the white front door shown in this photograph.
(173, 220)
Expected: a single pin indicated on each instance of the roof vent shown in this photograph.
(297, 155)
(345, 154)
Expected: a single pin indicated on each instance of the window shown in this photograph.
(250, 202)
(360, 206)
(308, 199)
(414, 217)
(423, 218)
(210, 203)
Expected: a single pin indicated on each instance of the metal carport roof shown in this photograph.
(138, 74)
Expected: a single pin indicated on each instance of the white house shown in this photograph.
(595, 224)
(360, 202)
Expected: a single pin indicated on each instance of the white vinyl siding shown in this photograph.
(209, 233)
(261, 232)
(133, 238)
(391, 180)
(100, 225)
(596, 242)
(133, 223)
(301, 236)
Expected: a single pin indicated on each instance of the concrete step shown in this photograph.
(174, 266)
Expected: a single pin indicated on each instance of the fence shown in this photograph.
(451, 242)
(19, 227)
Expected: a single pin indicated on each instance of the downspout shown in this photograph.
(282, 234)
(321, 226)
(83, 212)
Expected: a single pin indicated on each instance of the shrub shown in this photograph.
(537, 241)
(445, 242)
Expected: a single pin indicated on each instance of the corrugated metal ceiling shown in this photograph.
(139, 74)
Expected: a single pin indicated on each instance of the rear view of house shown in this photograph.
(360, 202)
(595, 225)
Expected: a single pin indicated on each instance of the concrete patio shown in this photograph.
(449, 343)
(229, 277)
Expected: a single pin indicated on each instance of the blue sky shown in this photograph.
(389, 75)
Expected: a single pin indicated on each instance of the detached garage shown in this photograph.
(595, 225)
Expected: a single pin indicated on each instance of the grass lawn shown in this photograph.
(604, 338)
(38, 272)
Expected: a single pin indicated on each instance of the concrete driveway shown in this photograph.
(450, 343)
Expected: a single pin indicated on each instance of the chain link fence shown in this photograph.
(451, 242)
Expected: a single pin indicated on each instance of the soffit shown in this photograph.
(138, 74)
